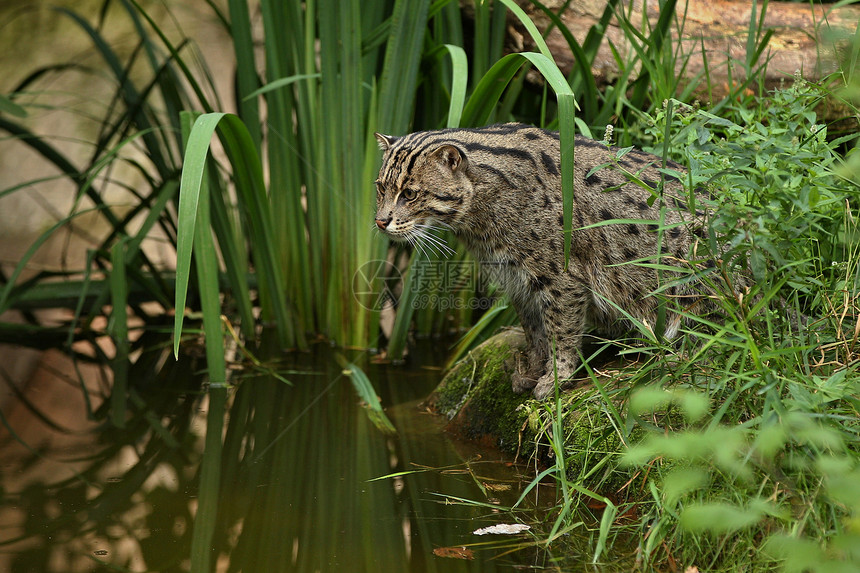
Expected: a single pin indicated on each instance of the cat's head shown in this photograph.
(422, 185)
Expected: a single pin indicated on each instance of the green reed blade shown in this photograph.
(210, 483)
(196, 152)
(606, 522)
(367, 393)
(231, 243)
(118, 328)
(255, 204)
(489, 90)
(246, 68)
(583, 77)
(290, 159)
(530, 27)
(340, 93)
(281, 83)
(12, 108)
(402, 59)
(206, 264)
(459, 82)
(252, 200)
(490, 21)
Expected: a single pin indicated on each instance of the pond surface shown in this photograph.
(299, 485)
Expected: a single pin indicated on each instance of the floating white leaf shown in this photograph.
(503, 529)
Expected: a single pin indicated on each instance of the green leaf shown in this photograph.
(367, 393)
(10, 107)
(253, 201)
(196, 152)
(720, 518)
(606, 521)
(680, 482)
(400, 68)
(459, 82)
(118, 328)
(799, 555)
(280, 83)
(694, 405)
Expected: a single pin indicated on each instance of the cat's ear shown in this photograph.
(450, 157)
(385, 141)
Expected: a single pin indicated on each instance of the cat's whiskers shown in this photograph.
(412, 239)
(438, 226)
(428, 245)
(438, 244)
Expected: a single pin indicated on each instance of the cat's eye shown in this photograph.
(408, 194)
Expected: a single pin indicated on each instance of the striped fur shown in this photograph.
(498, 189)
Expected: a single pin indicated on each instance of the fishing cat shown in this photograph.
(498, 188)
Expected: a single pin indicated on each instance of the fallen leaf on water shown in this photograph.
(454, 552)
(503, 529)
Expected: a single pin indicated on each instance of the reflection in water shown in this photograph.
(297, 489)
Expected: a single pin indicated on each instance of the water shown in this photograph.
(299, 479)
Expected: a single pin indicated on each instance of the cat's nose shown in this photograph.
(382, 223)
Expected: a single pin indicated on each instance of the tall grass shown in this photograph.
(739, 443)
(302, 156)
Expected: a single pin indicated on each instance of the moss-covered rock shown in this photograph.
(476, 394)
(477, 399)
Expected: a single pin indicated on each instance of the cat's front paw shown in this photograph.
(562, 370)
(521, 382)
(525, 374)
(545, 386)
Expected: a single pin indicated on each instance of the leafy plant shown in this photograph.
(745, 431)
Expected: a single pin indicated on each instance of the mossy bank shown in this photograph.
(477, 399)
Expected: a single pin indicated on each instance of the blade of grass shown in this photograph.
(12, 108)
(367, 393)
(193, 167)
(606, 521)
(400, 68)
(9, 285)
(459, 82)
(206, 264)
(254, 203)
(292, 129)
(246, 68)
(119, 333)
(566, 113)
(584, 77)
